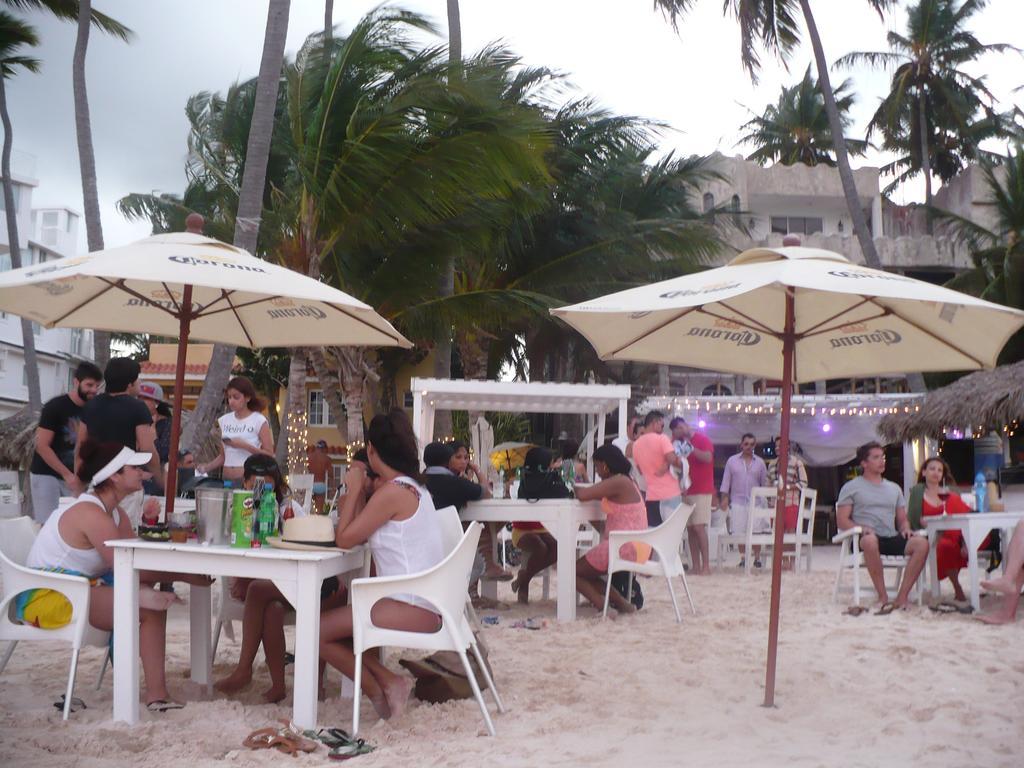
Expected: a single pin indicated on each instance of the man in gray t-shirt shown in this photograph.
(877, 506)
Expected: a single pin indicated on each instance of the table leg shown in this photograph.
(566, 595)
(199, 639)
(307, 645)
(126, 637)
(972, 566)
(933, 563)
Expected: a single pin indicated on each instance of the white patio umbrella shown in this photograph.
(795, 314)
(194, 287)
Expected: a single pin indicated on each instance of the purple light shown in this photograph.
(701, 424)
(826, 427)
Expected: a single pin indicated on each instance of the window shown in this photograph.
(69, 221)
(796, 225)
(51, 219)
(3, 360)
(36, 328)
(318, 414)
(709, 202)
(339, 474)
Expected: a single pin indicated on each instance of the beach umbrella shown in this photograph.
(190, 286)
(795, 314)
(509, 456)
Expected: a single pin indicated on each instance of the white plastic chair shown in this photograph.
(665, 540)
(16, 538)
(803, 538)
(444, 586)
(302, 484)
(852, 559)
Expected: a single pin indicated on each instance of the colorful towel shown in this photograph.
(49, 608)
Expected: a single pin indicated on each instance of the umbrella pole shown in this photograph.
(788, 349)
(184, 323)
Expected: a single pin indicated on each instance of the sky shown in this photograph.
(621, 52)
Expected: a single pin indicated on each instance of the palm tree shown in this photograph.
(796, 130)
(15, 35)
(772, 25)
(997, 250)
(933, 103)
(250, 198)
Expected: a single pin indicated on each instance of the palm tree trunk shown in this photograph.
(87, 159)
(926, 161)
(331, 387)
(35, 399)
(250, 199)
(443, 348)
(291, 444)
(355, 372)
(328, 19)
(860, 225)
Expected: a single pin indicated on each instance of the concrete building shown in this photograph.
(770, 202)
(46, 234)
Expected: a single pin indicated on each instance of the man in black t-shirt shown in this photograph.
(51, 474)
(118, 415)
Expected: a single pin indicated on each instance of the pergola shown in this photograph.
(594, 401)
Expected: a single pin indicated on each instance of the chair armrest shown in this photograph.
(844, 535)
(18, 579)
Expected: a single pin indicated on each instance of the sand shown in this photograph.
(914, 688)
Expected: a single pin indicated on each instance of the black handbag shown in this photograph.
(535, 484)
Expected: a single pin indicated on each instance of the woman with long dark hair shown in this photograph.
(625, 511)
(244, 430)
(400, 524)
(935, 478)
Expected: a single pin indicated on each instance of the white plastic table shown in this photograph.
(562, 519)
(974, 527)
(298, 574)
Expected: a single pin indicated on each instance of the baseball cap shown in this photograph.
(321, 443)
(152, 390)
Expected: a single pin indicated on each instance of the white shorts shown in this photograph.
(740, 514)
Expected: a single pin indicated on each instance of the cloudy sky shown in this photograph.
(620, 51)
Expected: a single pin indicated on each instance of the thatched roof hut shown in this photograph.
(982, 402)
(18, 438)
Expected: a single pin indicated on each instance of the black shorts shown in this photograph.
(893, 546)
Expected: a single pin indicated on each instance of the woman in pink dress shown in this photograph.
(625, 511)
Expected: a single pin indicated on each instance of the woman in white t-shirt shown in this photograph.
(244, 431)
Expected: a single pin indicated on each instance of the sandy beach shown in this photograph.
(912, 688)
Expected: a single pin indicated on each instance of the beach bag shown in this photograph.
(542, 484)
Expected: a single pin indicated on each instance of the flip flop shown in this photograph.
(162, 705)
(967, 608)
(855, 610)
(885, 609)
(943, 608)
(76, 703)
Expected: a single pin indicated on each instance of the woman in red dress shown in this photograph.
(950, 555)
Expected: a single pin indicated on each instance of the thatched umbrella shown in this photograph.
(979, 403)
(18, 438)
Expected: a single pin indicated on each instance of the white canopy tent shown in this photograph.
(828, 428)
(594, 401)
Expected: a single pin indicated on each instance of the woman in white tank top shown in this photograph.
(244, 431)
(73, 541)
(399, 522)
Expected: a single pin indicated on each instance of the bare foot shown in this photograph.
(234, 682)
(995, 618)
(522, 592)
(273, 695)
(156, 601)
(397, 694)
(627, 608)
(1002, 585)
(496, 573)
(380, 706)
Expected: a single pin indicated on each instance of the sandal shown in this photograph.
(886, 609)
(943, 608)
(340, 744)
(163, 705)
(286, 740)
(855, 610)
(76, 704)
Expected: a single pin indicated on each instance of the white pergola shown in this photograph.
(594, 401)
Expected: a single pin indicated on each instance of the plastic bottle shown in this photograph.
(980, 493)
(268, 513)
(499, 489)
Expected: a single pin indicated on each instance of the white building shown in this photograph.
(46, 234)
(773, 201)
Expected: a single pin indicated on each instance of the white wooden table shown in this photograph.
(562, 519)
(974, 527)
(298, 574)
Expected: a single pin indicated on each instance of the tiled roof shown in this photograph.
(198, 369)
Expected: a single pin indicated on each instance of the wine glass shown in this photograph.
(943, 496)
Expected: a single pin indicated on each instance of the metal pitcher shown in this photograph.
(213, 515)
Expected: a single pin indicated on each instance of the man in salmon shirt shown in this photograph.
(700, 454)
(654, 455)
